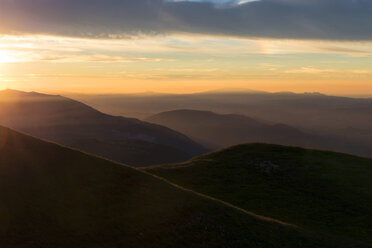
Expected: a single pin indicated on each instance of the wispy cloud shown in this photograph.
(362, 72)
(99, 58)
(163, 49)
(311, 70)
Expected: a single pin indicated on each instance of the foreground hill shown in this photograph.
(52, 196)
(77, 125)
(218, 131)
(319, 190)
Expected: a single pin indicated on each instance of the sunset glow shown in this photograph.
(180, 63)
(6, 57)
(134, 55)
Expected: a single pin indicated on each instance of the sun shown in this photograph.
(7, 57)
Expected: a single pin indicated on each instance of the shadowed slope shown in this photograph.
(319, 190)
(56, 197)
(77, 125)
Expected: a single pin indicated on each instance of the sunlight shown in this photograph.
(7, 57)
(2, 82)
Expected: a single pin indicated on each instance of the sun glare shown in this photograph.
(6, 57)
(2, 84)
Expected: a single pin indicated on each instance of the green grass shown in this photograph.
(318, 190)
(52, 196)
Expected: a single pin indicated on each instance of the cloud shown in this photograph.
(311, 70)
(361, 72)
(291, 19)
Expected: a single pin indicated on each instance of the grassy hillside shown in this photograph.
(217, 131)
(319, 190)
(56, 197)
(77, 125)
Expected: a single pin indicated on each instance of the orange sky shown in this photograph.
(183, 63)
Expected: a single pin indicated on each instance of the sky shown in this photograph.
(125, 46)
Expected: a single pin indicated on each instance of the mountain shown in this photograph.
(344, 117)
(222, 130)
(310, 110)
(52, 196)
(77, 125)
(316, 190)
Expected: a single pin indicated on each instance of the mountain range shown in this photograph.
(217, 131)
(77, 125)
(344, 117)
(305, 110)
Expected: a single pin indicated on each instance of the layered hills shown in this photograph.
(77, 125)
(346, 118)
(223, 130)
(309, 110)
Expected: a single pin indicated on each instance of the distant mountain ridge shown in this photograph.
(75, 124)
(296, 109)
(223, 130)
(344, 117)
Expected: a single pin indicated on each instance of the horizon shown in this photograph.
(295, 71)
(215, 91)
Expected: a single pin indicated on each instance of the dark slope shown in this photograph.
(220, 131)
(319, 190)
(56, 197)
(77, 125)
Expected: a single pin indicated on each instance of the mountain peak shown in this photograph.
(75, 124)
(9, 91)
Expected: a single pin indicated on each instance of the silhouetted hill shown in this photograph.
(74, 124)
(53, 196)
(219, 131)
(304, 110)
(313, 189)
(347, 118)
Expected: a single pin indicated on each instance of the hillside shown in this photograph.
(218, 131)
(77, 125)
(52, 196)
(319, 190)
